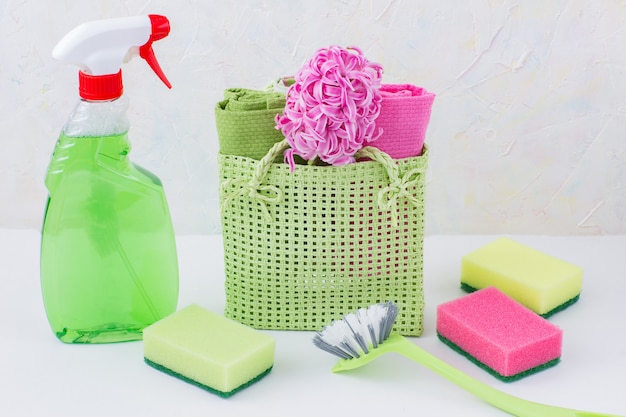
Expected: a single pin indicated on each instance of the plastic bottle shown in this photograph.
(108, 265)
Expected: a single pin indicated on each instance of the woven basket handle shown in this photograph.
(382, 158)
(262, 194)
(370, 152)
(265, 163)
(398, 186)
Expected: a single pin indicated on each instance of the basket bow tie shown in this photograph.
(401, 187)
(262, 194)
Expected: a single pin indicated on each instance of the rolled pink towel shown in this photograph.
(404, 116)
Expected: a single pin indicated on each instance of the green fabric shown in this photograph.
(306, 247)
(245, 121)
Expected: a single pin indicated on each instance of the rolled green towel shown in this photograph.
(245, 121)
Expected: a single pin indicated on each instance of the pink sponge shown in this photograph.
(499, 334)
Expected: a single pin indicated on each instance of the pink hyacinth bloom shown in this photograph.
(332, 107)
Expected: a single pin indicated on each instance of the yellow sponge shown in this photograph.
(208, 350)
(541, 282)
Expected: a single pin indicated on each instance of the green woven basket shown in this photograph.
(304, 248)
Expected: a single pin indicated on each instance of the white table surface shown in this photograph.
(40, 376)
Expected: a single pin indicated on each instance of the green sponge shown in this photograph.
(539, 281)
(208, 350)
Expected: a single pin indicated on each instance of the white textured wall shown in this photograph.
(527, 134)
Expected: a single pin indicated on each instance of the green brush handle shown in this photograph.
(509, 403)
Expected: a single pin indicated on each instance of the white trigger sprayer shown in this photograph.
(99, 49)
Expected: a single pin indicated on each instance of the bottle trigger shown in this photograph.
(160, 29)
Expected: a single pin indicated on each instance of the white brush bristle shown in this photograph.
(358, 332)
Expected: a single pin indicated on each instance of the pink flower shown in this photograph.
(332, 107)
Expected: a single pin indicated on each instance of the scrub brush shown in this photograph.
(362, 336)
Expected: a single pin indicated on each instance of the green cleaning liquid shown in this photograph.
(108, 258)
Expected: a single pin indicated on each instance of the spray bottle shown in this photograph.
(108, 255)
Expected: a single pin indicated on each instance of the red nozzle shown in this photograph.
(160, 29)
